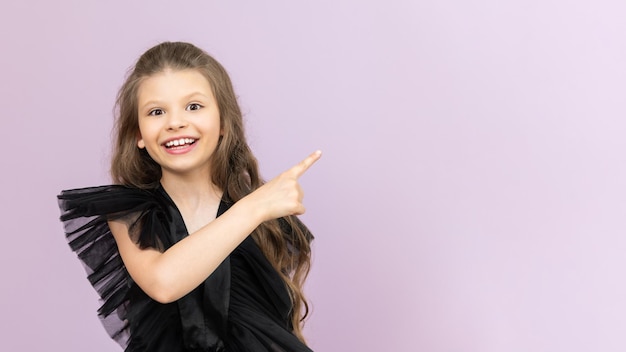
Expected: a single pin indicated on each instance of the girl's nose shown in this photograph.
(176, 121)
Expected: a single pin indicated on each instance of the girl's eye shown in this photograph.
(155, 112)
(194, 106)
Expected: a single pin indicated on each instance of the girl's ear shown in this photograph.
(140, 143)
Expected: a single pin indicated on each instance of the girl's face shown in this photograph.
(179, 121)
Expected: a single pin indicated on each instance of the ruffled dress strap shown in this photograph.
(196, 322)
(84, 213)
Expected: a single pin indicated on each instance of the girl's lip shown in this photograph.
(177, 138)
(180, 149)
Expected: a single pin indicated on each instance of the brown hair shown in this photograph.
(234, 168)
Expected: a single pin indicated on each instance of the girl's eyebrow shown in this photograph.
(189, 96)
(186, 97)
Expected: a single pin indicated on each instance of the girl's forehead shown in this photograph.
(173, 83)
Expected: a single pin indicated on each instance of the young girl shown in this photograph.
(190, 250)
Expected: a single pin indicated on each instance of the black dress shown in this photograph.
(243, 306)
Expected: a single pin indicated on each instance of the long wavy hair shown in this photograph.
(285, 242)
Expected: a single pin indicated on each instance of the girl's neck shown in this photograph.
(191, 191)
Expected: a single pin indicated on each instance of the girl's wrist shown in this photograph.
(253, 209)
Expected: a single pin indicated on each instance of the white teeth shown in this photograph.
(179, 142)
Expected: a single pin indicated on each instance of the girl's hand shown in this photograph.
(282, 196)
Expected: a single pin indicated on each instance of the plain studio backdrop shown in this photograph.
(471, 195)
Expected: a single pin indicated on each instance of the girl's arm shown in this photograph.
(168, 276)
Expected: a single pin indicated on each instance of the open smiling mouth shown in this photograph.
(179, 143)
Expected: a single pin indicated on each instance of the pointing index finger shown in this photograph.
(300, 168)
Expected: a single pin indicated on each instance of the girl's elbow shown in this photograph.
(162, 294)
(162, 291)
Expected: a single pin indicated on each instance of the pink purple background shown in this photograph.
(472, 192)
